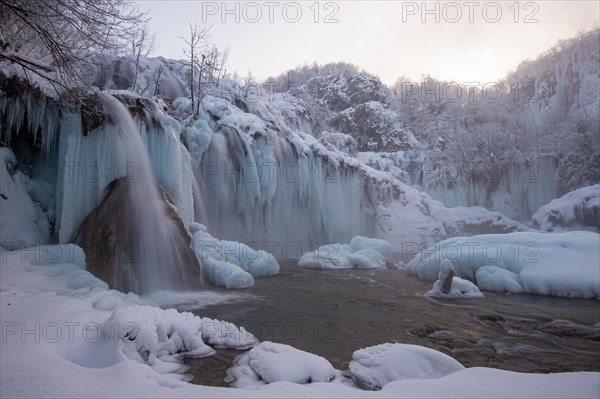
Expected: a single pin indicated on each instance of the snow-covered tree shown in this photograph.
(54, 38)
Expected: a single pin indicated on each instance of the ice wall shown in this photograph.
(516, 190)
(277, 192)
(70, 157)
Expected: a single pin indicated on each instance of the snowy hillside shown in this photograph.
(357, 104)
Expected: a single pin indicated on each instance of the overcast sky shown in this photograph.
(472, 41)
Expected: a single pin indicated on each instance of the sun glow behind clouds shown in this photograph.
(387, 38)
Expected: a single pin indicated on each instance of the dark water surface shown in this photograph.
(334, 312)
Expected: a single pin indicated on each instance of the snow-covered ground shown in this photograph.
(252, 171)
(64, 334)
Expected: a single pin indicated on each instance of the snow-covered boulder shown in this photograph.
(557, 264)
(357, 103)
(364, 253)
(117, 256)
(271, 362)
(23, 222)
(460, 288)
(445, 275)
(373, 367)
(231, 264)
(577, 210)
(471, 220)
(448, 286)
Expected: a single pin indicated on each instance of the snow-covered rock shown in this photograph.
(373, 367)
(364, 253)
(449, 286)
(557, 264)
(155, 76)
(270, 362)
(463, 220)
(358, 104)
(459, 288)
(339, 141)
(445, 275)
(577, 210)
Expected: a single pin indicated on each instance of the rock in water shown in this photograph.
(446, 275)
(111, 241)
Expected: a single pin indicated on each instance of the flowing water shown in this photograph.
(158, 263)
(335, 312)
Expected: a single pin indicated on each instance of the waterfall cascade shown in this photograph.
(151, 256)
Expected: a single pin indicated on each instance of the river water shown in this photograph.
(332, 313)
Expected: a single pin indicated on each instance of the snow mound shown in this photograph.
(374, 367)
(23, 222)
(460, 289)
(271, 362)
(557, 264)
(577, 210)
(494, 278)
(231, 264)
(448, 286)
(148, 333)
(365, 253)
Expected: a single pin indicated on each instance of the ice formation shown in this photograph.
(361, 252)
(23, 223)
(558, 264)
(231, 264)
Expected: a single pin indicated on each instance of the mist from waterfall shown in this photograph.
(156, 261)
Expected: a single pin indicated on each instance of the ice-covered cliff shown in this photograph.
(247, 167)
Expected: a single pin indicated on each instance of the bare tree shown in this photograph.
(54, 38)
(196, 44)
(143, 43)
(222, 72)
(249, 82)
(157, 77)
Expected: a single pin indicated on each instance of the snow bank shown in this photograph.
(577, 210)
(470, 220)
(374, 367)
(270, 362)
(231, 264)
(557, 264)
(150, 333)
(80, 350)
(365, 253)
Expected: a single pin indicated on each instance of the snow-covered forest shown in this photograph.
(159, 216)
